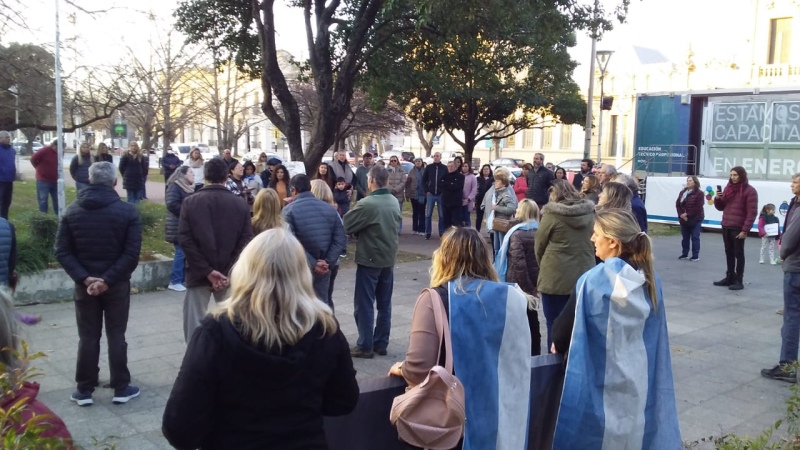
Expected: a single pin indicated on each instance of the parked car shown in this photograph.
(402, 155)
(514, 165)
(182, 149)
(573, 165)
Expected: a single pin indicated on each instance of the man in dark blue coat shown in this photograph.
(318, 227)
(98, 244)
(8, 172)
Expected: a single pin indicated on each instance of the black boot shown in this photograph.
(727, 281)
(736, 285)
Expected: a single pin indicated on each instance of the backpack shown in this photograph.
(432, 415)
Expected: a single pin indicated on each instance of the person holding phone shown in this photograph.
(739, 205)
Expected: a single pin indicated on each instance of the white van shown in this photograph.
(182, 149)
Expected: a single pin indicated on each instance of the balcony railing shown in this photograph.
(777, 74)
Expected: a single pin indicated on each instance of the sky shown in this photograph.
(666, 25)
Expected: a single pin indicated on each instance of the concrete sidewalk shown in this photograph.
(720, 341)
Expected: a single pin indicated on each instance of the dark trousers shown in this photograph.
(452, 216)
(334, 271)
(6, 191)
(417, 216)
(536, 335)
(693, 232)
(374, 286)
(552, 305)
(734, 253)
(478, 217)
(91, 311)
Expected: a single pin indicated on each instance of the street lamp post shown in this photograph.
(603, 56)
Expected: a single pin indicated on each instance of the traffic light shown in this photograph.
(606, 102)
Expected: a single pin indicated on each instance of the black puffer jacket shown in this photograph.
(133, 171)
(99, 236)
(522, 266)
(539, 182)
(173, 200)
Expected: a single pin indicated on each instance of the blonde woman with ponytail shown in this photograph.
(618, 358)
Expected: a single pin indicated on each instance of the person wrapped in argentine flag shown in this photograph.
(618, 388)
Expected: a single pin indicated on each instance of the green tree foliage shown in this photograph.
(498, 67)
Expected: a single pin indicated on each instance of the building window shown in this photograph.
(527, 139)
(780, 36)
(547, 137)
(566, 136)
(511, 141)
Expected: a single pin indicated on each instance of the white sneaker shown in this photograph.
(177, 287)
(761, 262)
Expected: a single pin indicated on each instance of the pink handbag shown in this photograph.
(431, 415)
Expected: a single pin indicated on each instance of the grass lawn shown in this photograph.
(662, 229)
(24, 214)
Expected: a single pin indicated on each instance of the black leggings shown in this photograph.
(734, 253)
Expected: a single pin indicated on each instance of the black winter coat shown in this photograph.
(432, 178)
(133, 171)
(522, 266)
(539, 182)
(173, 200)
(452, 189)
(99, 236)
(170, 163)
(80, 172)
(483, 187)
(231, 394)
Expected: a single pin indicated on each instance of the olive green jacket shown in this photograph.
(564, 249)
(375, 219)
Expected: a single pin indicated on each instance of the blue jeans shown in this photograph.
(178, 266)
(693, 232)
(43, 189)
(374, 285)
(465, 216)
(430, 200)
(790, 332)
(135, 195)
(497, 241)
(552, 305)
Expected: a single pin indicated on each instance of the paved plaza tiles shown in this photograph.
(720, 340)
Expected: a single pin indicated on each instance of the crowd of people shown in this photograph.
(269, 253)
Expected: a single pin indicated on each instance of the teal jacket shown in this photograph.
(375, 219)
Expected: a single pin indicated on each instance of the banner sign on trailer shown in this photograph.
(662, 192)
(661, 121)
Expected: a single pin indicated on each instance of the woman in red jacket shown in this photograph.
(690, 213)
(739, 206)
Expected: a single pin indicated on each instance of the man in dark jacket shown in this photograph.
(213, 229)
(98, 244)
(317, 226)
(452, 195)
(790, 254)
(8, 172)
(540, 178)
(169, 163)
(637, 205)
(45, 161)
(432, 180)
(586, 169)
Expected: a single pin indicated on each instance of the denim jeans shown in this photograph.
(417, 216)
(692, 232)
(374, 285)
(91, 311)
(790, 332)
(734, 253)
(135, 195)
(552, 305)
(497, 241)
(465, 216)
(43, 189)
(321, 284)
(430, 200)
(178, 266)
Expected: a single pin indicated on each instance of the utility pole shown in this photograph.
(587, 145)
(59, 124)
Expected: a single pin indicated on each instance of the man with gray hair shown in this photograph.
(8, 172)
(98, 244)
(605, 173)
(375, 219)
(637, 205)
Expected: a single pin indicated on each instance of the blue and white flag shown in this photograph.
(491, 356)
(501, 259)
(618, 389)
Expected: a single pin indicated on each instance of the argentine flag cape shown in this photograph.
(618, 388)
(492, 358)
